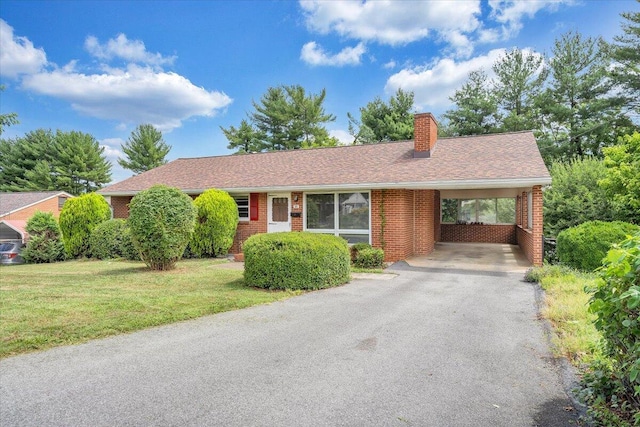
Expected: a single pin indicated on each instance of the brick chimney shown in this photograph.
(425, 134)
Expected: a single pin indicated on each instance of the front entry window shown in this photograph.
(280, 209)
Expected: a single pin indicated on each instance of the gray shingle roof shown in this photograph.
(507, 159)
(10, 202)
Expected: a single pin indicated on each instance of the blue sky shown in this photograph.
(190, 67)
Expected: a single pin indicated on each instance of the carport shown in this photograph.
(496, 257)
(13, 230)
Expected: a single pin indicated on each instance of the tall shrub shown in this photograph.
(79, 216)
(584, 246)
(216, 223)
(293, 260)
(616, 303)
(112, 239)
(162, 220)
(45, 239)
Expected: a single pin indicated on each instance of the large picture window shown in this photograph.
(342, 214)
(481, 211)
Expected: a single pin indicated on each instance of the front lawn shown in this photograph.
(47, 305)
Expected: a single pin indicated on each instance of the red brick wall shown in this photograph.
(477, 233)
(249, 228)
(436, 216)
(120, 205)
(398, 230)
(296, 223)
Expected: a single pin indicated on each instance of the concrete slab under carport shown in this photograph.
(494, 257)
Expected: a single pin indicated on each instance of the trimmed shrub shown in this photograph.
(161, 219)
(616, 303)
(112, 239)
(216, 222)
(293, 260)
(79, 216)
(584, 246)
(45, 239)
(369, 258)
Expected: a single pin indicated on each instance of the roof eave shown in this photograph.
(431, 185)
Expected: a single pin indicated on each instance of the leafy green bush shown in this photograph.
(295, 260)
(369, 258)
(79, 216)
(45, 239)
(161, 219)
(216, 222)
(584, 246)
(616, 302)
(112, 239)
(357, 247)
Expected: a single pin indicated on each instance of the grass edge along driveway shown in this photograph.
(48, 305)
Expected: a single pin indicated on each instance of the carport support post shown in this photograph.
(537, 219)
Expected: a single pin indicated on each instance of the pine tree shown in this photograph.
(381, 121)
(626, 53)
(145, 149)
(476, 110)
(79, 164)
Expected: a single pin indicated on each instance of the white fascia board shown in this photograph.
(421, 185)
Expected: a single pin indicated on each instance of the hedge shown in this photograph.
(217, 219)
(112, 239)
(585, 245)
(294, 260)
(45, 239)
(79, 216)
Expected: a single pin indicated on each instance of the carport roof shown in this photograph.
(507, 160)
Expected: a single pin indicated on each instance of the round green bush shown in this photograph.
(45, 239)
(112, 239)
(585, 245)
(161, 219)
(293, 260)
(79, 216)
(216, 223)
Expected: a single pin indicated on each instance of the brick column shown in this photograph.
(537, 224)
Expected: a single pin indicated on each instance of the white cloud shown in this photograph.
(433, 84)
(17, 54)
(112, 148)
(313, 54)
(133, 95)
(389, 65)
(510, 13)
(390, 22)
(132, 51)
(343, 136)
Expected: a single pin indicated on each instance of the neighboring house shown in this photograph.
(17, 208)
(403, 196)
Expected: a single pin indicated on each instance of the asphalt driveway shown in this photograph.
(421, 349)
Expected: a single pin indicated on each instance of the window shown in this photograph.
(484, 211)
(341, 214)
(243, 206)
(61, 202)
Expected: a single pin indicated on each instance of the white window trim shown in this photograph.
(248, 196)
(336, 212)
(529, 210)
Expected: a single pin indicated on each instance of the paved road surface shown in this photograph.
(422, 349)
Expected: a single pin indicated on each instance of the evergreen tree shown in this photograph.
(145, 149)
(21, 155)
(285, 118)
(519, 79)
(626, 53)
(244, 139)
(381, 121)
(476, 107)
(579, 113)
(79, 165)
(7, 119)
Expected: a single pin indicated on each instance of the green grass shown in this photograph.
(47, 305)
(566, 307)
